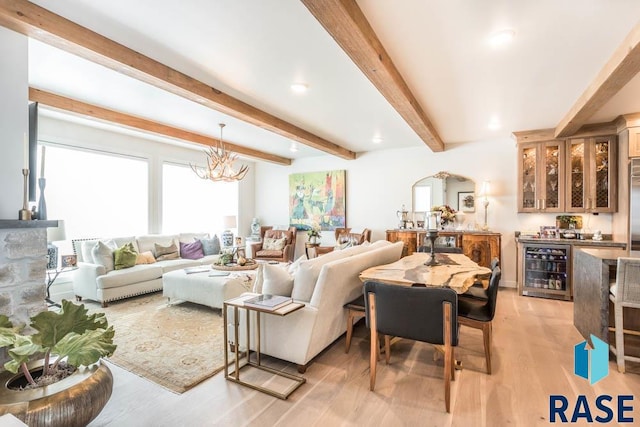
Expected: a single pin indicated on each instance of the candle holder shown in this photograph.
(24, 214)
(432, 235)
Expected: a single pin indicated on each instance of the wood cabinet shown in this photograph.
(592, 170)
(481, 247)
(634, 142)
(541, 174)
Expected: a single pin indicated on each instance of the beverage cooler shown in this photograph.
(547, 270)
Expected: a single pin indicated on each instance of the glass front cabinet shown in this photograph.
(591, 164)
(541, 174)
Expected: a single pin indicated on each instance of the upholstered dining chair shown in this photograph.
(477, 313)
(273, 247)
(624, 293)
(477, 290)
(416, 313)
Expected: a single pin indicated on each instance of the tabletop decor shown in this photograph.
(314, 235)
(68, 386)
(433, 222)
(447, 215)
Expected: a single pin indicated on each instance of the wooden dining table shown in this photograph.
(456, 271)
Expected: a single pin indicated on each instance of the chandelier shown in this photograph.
(220, 164)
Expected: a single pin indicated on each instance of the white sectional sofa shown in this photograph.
(92, 281)
(301, 335)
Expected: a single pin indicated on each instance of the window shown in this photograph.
(422, 198)
(192, 204)
(97, 194)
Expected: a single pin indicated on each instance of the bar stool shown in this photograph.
(625, 293)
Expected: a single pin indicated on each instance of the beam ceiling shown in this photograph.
(38, 23)
(346, 23)
(623, 65)
(78, 107)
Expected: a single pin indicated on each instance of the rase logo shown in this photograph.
(592, 365)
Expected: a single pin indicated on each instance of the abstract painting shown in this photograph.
(317, 200)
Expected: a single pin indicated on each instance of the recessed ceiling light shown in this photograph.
(494, 124)
(376, 139)
(502, 37)
(293, 148)
(299, 87)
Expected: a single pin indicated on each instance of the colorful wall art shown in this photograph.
(317, 200)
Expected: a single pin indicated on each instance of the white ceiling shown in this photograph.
(254, 49)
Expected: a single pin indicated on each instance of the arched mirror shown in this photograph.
(444, 188)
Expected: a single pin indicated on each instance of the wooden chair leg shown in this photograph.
(349, 330)
(618, 312)
(453, 365)
(486, 334)
(448, 355)
(375, 346)
(387, 348)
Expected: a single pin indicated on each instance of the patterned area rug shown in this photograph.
(175, 346)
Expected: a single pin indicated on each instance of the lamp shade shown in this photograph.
(485, 190)
(229, 221)
(56, 234)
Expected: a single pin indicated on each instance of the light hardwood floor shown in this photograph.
(532, 358)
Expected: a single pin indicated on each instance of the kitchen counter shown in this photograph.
(594, 270)
(574, 242)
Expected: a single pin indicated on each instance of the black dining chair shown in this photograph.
(477, 290)
(476, 313)
(441, 249)
(417, 313)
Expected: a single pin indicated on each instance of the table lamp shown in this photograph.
(228, 222)
(432, 223)
(54, 234)
(484, 193)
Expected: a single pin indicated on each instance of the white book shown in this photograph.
(268, 302)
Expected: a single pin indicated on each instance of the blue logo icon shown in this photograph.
(598, 367)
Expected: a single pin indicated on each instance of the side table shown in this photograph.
(313, 246)
(236, 304)
(52, 275)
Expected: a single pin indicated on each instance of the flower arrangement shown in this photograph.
(447, 214)
(313, 232)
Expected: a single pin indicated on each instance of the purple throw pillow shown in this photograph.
(191, 250)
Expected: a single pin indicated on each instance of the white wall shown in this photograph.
(379, 183)
(64, 132)
(14, 119)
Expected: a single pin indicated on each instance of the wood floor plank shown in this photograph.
(532, 356)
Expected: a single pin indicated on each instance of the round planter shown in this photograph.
(74, 401)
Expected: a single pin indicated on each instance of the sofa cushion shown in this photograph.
(121, 241)
(191, 250)
(177, 264)
(276, 280)
(102, 254)
(268, 253)
(191, 237)
(125, 257)
(145, 258)
(129, 276)
(274, 244)
(211, 246)
(147, 242)
(166, 252)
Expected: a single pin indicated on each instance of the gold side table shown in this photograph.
(234, 376)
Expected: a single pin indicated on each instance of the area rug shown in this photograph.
(174, 346)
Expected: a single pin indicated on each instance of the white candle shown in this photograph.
(26, 152)
(42, 163)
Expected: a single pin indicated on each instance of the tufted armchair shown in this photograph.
(268, 235)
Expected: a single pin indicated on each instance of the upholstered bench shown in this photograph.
(210, 288)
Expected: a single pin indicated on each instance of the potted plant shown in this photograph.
(68, 386)
(313, 234)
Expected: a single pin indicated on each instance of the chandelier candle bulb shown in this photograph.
(220, 164)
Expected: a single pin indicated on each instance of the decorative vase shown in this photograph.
(73, 401)
(255, 229)
(313, 239)
(42, 205)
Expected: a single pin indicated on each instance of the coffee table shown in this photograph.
(210, 288)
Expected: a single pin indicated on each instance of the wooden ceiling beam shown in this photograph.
(623, 65)
(38, 23)
(346, 23)
(79, 107)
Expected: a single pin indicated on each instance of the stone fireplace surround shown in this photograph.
(23, 260)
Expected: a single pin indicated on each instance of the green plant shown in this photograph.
(313, 233)
(71, 335)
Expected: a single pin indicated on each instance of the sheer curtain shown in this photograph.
(97, 194)
(192, 204)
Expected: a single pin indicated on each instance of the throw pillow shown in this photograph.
(258, 280)
(145, 258)
(276, 280)
(191, 250)
(85, 249)
(102, 254)
(211, 246)
(274, 244)
(166, 252)
(125, 257)
(305, 280)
